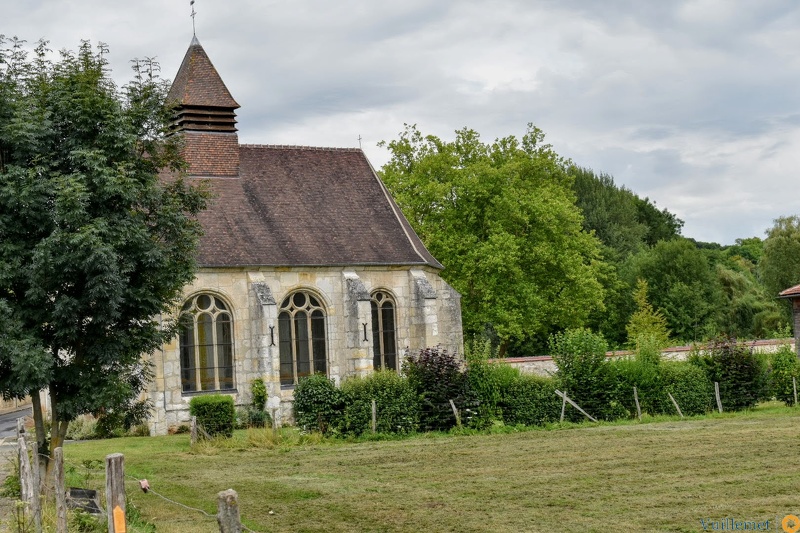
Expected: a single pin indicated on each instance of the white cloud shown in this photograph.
(692, 103)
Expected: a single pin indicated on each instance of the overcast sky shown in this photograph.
(694, 104)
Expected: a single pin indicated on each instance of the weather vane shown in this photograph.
(194, 31)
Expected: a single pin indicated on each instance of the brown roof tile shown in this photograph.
(303, 206)
(198, 84)
(791, 292)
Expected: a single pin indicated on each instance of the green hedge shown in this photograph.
(742, 375)
(396, 402)
(318, 404)
(531, 400)
(215, 413)
(784, 366)
(688, 384)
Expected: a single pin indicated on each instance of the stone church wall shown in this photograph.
(428, 313)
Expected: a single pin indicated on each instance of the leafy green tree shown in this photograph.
(682, 284)
(779, 266)
(94, 247)
(646, 323)
(611, 212)
(662, 225)
(502, 218)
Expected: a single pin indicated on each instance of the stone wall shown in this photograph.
(428, 313)
(545, 366)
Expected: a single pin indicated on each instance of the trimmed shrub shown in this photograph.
(259, 392)
(397, 404)
(531, 400)
(489, 382)
(215, 412)
(688, 384)
(436, 377)
(742, 375)
(640, 371)
(584, 374)
(318, 404)
(785, 366)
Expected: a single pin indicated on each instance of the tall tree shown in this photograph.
(779, 266)
(93, 245)
(502, 219)
(682, 284)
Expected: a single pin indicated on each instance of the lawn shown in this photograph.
(658, 476)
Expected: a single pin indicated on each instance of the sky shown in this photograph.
(693, 104)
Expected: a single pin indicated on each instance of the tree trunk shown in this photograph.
(503, 347)
(58, 432)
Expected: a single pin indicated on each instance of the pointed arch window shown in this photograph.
(384, 341)
(301, 334)
(206, 345)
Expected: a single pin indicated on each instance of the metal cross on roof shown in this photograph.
(194, 31)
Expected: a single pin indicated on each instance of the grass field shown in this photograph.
(659, 476)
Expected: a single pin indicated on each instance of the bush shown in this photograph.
(215, 413)
(688, 384)
(584, 374)
(640, 371)
(785, 366)
(251, 417)
(531, 400)
(318, 404)
(396, 402)
(436, 377)
(489, 382)
(259, 391)
(741, 374)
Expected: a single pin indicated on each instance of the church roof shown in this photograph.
(198, 84)
(304, 206)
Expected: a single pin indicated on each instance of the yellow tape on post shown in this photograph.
(119, 520)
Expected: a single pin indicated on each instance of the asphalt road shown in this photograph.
(8, 422)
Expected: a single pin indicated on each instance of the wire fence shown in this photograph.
(89, 468)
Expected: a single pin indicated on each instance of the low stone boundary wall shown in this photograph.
(544, 365)
(6, 406)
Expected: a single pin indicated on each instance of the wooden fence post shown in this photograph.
(374, 416)
(575, 405)
(115, 493)
(20, 427)
(193, 433)
(61, 491)
(794, 388)
(456, 413)
(25, 479)
(638, 407)
(675, 404)
(563, 406)
(716, 393)
(228, 512)
(36, 491)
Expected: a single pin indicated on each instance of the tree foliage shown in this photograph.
(646, 323)
(93, 246)
(779, 266)
(682, 284)
(502, 218)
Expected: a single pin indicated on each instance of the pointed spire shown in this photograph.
(204, 102)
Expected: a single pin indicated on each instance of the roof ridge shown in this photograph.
(301, 147)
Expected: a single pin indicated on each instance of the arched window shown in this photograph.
(206, 344)
(384, 343)
(301, 334)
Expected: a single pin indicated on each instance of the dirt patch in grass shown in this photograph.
(638, 477)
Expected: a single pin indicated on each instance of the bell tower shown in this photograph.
(205, 116)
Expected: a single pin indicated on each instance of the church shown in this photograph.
(306, 266)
